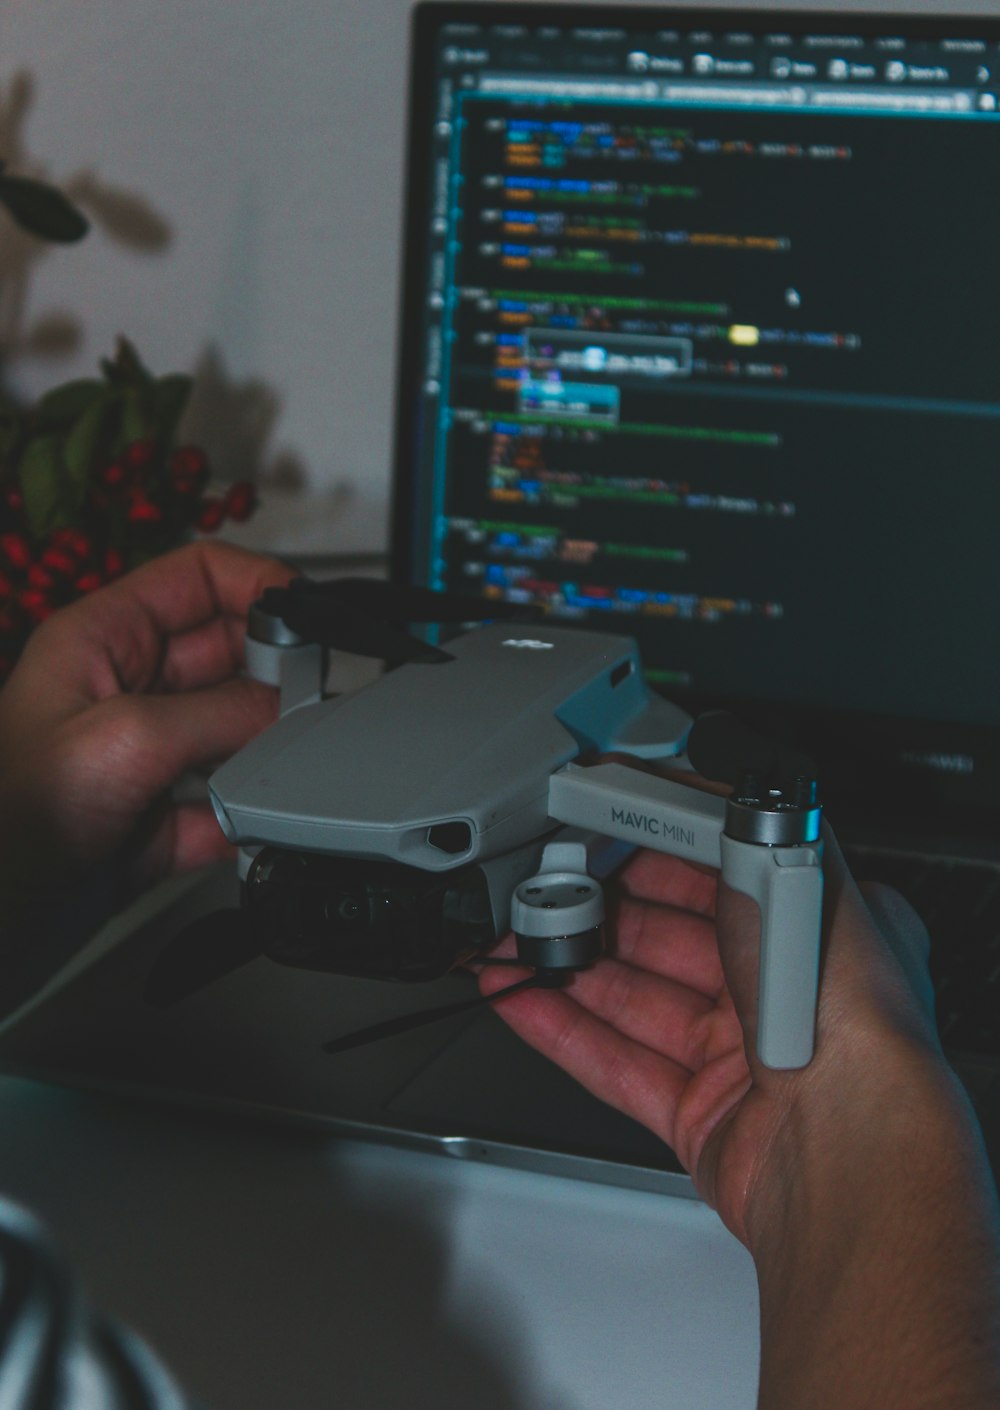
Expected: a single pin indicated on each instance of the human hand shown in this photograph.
(663, 1028)
(114, 699)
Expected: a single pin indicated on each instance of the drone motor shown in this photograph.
(558, 915)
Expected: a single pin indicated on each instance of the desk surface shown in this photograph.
(277, 1269)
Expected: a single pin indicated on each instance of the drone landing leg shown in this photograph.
(787, 884)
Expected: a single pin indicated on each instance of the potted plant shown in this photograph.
(92, 478)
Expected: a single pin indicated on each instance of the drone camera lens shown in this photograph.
(349, 909)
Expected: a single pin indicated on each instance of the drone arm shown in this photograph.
(768, 863)
(640, 808)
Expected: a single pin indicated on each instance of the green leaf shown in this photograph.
(48, 499)
(42, 210)
(126, 368)
(8, 442)
(135, 421)
(170, 397)
(68, 402)
(82, 445)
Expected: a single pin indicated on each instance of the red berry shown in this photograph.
(16, 550)
(35, 604)
(57, 560)
(211, 516)
(189, 463)
(241, 501)
(40, 577)
(139, 453)
(15, 499)
(114, 563)
(73, 541)
(89, 582)
(114, 475)
(143, 511)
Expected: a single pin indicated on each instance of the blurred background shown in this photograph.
(241, 167)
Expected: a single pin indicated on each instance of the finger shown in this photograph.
(204, 580)
(636, 1080)
(661, 939)
(669, 942)
(906, 936)
(117, 639)
(659, 1012)
(203, 656)
(657, 876)
(664, 940)
(184, 836)
(145, 742)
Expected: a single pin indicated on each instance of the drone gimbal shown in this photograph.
(403, 829)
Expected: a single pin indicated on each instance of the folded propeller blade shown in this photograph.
(366, 615)
(723, 748)
(375, 1032)
(348, 629)
(402, 602)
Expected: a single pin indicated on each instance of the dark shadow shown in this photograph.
(51, 336)
(128, 218)
(124, 216)
(234, 421)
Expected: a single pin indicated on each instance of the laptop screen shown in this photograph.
(699, 345)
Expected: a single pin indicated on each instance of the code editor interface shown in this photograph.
(709, 353)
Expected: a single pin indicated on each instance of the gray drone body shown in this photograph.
(440, 764)
(467, 762)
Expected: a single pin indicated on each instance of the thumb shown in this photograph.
(154, 739)
(106, 767)
(738, 931)
(170, 736)
(907, 938)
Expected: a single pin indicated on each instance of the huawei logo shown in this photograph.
(939, 763)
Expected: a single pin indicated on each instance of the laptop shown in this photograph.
(697, 344)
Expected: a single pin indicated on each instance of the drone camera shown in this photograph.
(367, 919)
(335, 894)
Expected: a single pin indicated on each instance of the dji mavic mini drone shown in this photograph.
(401, 830)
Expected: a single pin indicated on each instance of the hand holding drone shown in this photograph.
(400, 831)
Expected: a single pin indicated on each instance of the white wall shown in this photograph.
(268, 136)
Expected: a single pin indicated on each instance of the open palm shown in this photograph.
(663, 1027)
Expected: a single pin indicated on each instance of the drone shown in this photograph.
(400, 831)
